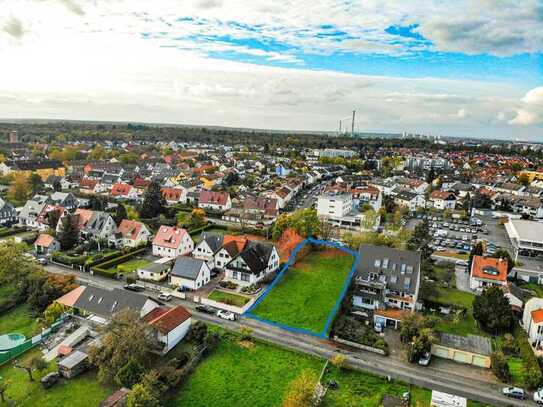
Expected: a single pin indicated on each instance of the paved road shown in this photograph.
(429, 377)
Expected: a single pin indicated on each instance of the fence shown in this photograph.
(8, 355)
(227, 307)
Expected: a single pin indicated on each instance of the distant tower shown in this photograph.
(352, 126)
(13, 137)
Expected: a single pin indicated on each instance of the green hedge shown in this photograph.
(11, 231)
(196, 231)
(69, 260)
(531, 370)
(103, 268)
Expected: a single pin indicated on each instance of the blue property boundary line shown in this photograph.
(291, 260)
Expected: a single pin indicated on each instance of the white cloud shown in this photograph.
(531, 109)
(13, 27)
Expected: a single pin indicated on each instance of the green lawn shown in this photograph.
(259, 375)
(308, 291)
(452, 254)
(83, 391)
(229, 298)
(130, 266)
(239, 376)
(19, 320)
(515, 368)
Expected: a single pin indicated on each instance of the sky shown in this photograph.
(455, 68)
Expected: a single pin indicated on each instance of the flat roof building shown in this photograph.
(526, 236)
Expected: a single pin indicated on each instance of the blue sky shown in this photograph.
(469, 67)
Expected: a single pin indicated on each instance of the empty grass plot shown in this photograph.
(305, 297)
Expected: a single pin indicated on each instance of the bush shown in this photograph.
(228, 284)
(530, 365)
(104, 268)
(500, 366)
(352, 330)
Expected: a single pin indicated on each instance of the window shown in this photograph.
(385, 263)
(244, 277)
(377, 263)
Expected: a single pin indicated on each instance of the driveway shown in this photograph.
(462, 280)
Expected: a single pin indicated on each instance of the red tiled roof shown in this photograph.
(44, 240)
(70, 298)
(537, 315)
(212, 197)
(169, 236)
(120, 189)
(83, 216)
(171, 194)
(489, 268)
(441, 195)
(87, 183)
(130, 229)
(167, 319)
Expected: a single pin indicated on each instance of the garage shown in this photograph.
(472, 350)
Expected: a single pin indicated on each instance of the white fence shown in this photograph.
(359, 346)
(227, 307)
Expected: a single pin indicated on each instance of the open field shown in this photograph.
(229, 298)
(19, 320)
(257, 374)
(308, 291)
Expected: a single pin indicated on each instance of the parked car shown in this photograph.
(164, 297)
(206, 309)
(50, 380)
(425, 359)
(214, 272)
(134, 287)
(514, 393)
(42, 260)
(538, 396)
(230, 316)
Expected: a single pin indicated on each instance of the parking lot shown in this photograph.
(455, 234)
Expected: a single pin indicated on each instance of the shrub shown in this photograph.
(530, 365)
(500, 366)
(228, 284)
(352, 330)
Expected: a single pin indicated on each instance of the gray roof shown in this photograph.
(187, 267)
(156, 267)
(105, 303)
(397, 269)
(528, 229)
(73, 359)
(469, 343)
(213, 240)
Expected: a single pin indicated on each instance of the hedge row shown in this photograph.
(103, 269)
(112, 256)
(196, 231)
(533, 377)
(11, 231)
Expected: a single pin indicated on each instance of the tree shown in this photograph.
(147, 393)
(68, 234)
(421, 344)
(500, 367)
(477, 250)
(97, 203)
(53, 218)
(153, 202)
(19, 190)
(301, 391)
(120, 214)
(492, 311)
(53, 312)
(326, 229)
(57, 186)
(42, 289)
(125, 337)
(35, 183)
(369, 220)
(130, 373)
(305, 221)
(31, 365)
(197, 218)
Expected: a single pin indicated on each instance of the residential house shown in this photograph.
(487, 271)
(65, 199)
(171, 241)
(8, 214)
(29, 214)
(253, 263)
(155, 271)
(190, 273)
(130, 233)
(442, 200)
(532, 322)
(216, 201)
(409, 200)
(174, 195)
(170, 324)
(387, 278)
(46, 244)
(209, 245)
(44, 168)
(122, 190)
(283, 196)
(96, 225)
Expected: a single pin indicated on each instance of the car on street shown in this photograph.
(514, 393)
(538, 396)
(378, 327)
(206, 309)
(165, 297)
(230, 316)
(134, 287)
(42, 260)
(425, 359)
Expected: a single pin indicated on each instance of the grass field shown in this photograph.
(308, 291)
(229, 298)
(452, 254)
(131, 265)
(19, 320)
(259, 374)
(82, 391)
(515, 368)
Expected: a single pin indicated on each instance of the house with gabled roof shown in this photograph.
(209, 244)
(171, 241)
(254, 262)
(217, 201)
(174, 195)
(130, 233)
(121, 190)
(189, 272)
(487, 271)
(443, 200)
(93, 224)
